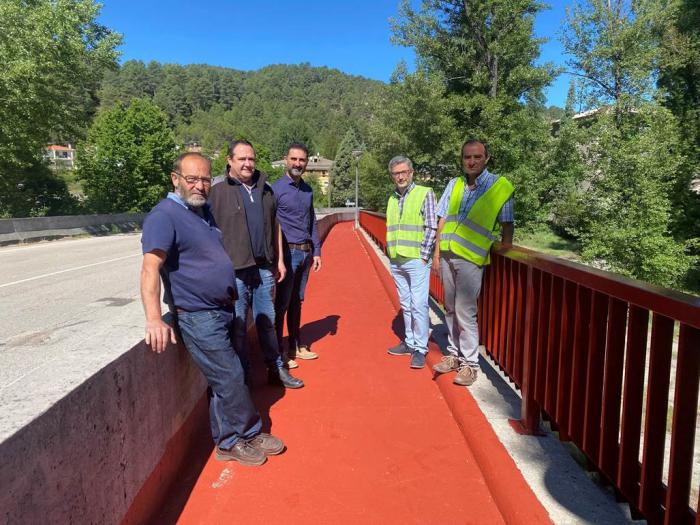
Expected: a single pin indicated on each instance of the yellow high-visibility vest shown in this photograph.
(472, 239)
(404, 232)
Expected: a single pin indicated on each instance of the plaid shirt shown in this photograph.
(483, 183)
(427, 210)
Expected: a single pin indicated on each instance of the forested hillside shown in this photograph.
(212, 105)
(620, 184)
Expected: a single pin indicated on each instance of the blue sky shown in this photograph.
(353, 36)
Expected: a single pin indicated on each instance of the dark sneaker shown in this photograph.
(243, 452)
(417, 359)
(282, 377)
(466, 376)
(448, 364)
(400, 349)
(269, 444)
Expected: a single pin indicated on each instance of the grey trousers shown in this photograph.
(461, 280)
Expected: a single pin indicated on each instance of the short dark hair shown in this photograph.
(177, 165)
(238, 142)
(469, 142)
(298, 145)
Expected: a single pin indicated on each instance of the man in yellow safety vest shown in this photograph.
(411, 227)
(468, 211)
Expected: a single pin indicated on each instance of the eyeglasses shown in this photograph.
(191, 179)
(405, 173)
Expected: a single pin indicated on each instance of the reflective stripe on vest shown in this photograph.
(404, 234)
(472, 238)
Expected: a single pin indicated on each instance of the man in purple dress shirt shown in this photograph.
(302, 249)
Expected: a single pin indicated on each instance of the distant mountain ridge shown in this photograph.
(271, 106)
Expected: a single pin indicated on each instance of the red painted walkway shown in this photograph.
(368, 439)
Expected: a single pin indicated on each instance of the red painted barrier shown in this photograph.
(578, 342)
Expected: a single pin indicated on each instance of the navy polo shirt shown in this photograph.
(198, 273)
(295, 212)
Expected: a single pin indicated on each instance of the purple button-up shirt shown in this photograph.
(295, 212)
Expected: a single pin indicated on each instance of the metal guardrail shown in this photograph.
(578, 342)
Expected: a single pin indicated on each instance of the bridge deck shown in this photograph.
(368, 439)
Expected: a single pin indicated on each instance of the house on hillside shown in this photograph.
(60, 156)
(584, 118)
(318, 166)
(193, 147)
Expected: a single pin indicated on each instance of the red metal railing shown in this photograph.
(575, 341)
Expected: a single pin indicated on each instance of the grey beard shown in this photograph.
(294, 172)
(193, 201)
(196, 201)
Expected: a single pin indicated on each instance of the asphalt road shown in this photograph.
(67, 308)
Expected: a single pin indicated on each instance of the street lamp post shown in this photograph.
(356, 154)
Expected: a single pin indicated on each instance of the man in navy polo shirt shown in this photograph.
(183, 246)
(301, 248)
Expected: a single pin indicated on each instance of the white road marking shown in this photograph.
(68, 270)
(67, 242)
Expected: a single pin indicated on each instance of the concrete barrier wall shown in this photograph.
(86, 458)
(107, 452)
(14, 231)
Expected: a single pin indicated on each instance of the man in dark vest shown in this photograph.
(182, 244)
(244, 207)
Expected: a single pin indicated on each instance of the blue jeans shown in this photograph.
(290, 294)
(412, 278)
(256, 288)
(207, 337)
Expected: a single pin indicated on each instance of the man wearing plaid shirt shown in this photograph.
(411, 233)
(468, 210)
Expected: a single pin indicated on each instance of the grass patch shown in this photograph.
(75, 186)
(547, 241)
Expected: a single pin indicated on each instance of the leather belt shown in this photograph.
(304, 247)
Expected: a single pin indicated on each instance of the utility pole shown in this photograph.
(356, 154)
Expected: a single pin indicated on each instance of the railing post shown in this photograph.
(529, 422)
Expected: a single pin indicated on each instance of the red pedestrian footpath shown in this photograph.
(369, 440)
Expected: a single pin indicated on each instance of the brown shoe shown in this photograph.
(449, 363)
(269, 444)
(466, 376)
(303, 352)
(243, 452)
(289, 363)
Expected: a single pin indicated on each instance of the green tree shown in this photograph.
(125, 161)
(39, 192)
(564, 164)
(272, 106)
(614, 49)
(626, 216)
(312, 180)
(679, 81)
(624, 219)
(484, 54)
(375, 184)
(342, 178)
(54, 55)
(414, 119)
